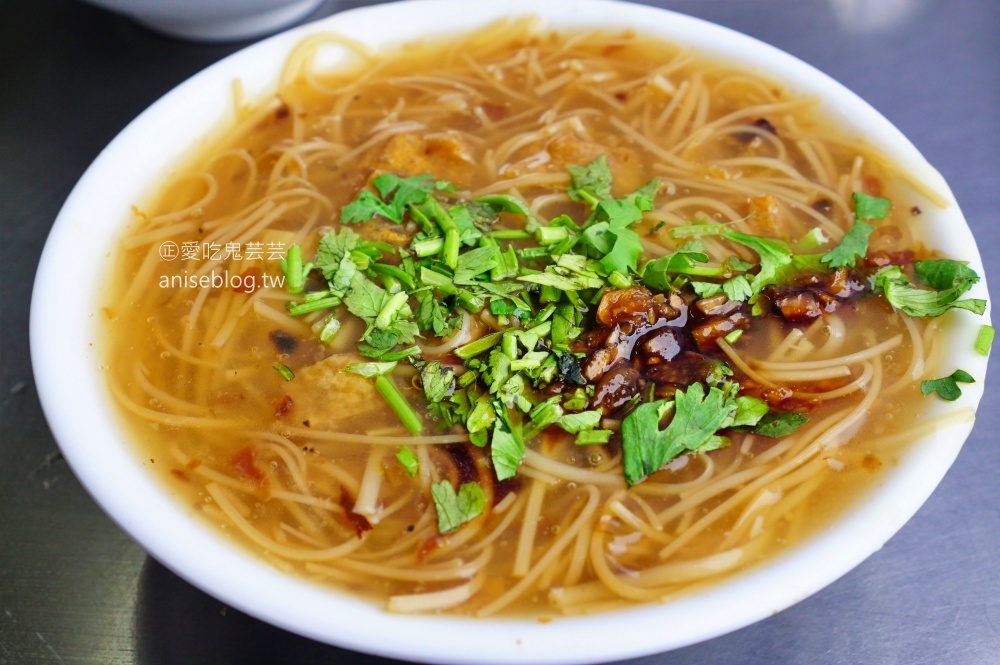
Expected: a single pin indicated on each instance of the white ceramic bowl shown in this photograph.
(81, 416)
(213, 20)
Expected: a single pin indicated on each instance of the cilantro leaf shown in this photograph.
(433, 317)
(579, 422)
(947, 387)
(703, 289)
(474, 263)
(590, 183)
(336, 261)
(395, 194)
(749, 411)
(854, 244)
(945, 274)
(915, 301)
(697, 416)
(774, 255)
(404, 191)
(333, 247)
(780, 423)
(624, 254)
(366, 298)
(468, 233)
(870, 207)
(506, 447)
(642, 198)
(454, 510)
(438, 381)
(618, 246)
(738, 288)
(367, 206)
(690, 259)
(569, 368)
(775, 258)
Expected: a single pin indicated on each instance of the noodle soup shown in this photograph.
(527, 323)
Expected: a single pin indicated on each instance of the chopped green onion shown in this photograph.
(285, 371)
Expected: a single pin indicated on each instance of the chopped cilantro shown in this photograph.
(870, 207)
(738, 288)
(370, 369)
(854, 244)
(947, 387)
(432, 315)
(590, 183)
(570, 272)
(984, 340)
(475, 262)
(367, 206)
(569, 368)
(945, 274)
(329, 327)
(438, 381)
(780, 423)
(366, 298)
(593, 436)
(285, 371)
(389, 391)
(697, 417)
(915, 301)
(506, 447)
(812, 240)
(454, 510)
(334, 256)
(409, 461)
(749, 411)
(294, 270)
(579, 422)
(542, 282)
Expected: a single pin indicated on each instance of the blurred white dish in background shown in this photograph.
(213, 20)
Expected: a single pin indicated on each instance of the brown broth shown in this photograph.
(208, 353)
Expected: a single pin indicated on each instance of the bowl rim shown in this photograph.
(68, 372)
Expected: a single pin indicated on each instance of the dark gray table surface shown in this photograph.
(75, 589)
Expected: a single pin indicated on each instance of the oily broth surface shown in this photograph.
(205, 355)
